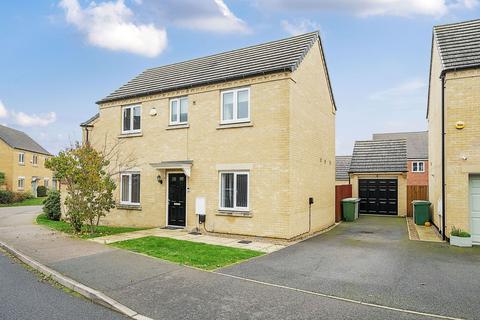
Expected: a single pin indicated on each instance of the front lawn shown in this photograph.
(194, 254)
(27, 202)
(85, 234)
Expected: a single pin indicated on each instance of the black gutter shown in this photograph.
(443, 157)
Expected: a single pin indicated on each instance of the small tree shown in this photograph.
(51, 205)
(89, 186)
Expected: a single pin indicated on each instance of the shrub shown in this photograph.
(6, 196)
(21, 196)
(52, 205)
(459, 233)
(41, 191)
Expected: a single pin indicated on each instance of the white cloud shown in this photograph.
(26, 120)
(300, 26)
(406, 89)
(3, 110)
(207, 15)
(111, 25)
(376, 7)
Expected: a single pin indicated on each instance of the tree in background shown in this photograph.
(89, 185)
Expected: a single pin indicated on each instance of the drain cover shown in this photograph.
(367, 232)
(195, 233)
(245, 241)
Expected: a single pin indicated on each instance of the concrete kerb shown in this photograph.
(89, 293)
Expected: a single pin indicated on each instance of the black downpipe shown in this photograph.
(443, 159)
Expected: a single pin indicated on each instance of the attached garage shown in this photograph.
(378, 196)
(378, 174)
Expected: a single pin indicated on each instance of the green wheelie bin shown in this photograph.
(421, 213)
(350, 208)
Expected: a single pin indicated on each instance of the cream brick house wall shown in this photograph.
(13, 169)
(462, 147)
(287, 147)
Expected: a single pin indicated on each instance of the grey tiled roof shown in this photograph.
(89, 121)
(459, 44)
(20, 140)
(342, 165)
(270, 57)
(417, 142)
(379, 156)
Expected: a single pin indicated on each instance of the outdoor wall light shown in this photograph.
(159, 179)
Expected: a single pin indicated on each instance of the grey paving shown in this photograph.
(323, 264)
(372, 260)
(24, 296)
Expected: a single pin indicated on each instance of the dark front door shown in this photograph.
(378, 196)
(177, 183)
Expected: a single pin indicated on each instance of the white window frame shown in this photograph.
(35, 160)
(235, 106)
(417, 163)
(235, 208)
(21, 178)
(129, 174)
(131, 107)
(177, 122)
(22, 155)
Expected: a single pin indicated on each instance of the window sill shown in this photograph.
(178, 126)
(130, 135)
(234, 125)
(129, 206)
(231, 213)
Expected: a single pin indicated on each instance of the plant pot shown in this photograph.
(465, 242)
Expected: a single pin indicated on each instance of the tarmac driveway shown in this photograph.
(372, 260)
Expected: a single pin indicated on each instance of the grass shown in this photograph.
(27, 202)
(194, 254)
(85, 234)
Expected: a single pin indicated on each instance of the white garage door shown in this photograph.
(475, 208)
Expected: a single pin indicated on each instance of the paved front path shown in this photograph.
(373, 260)
(24, 296)
(179, 234)
(163, 290)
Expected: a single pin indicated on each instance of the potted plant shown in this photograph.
(460, 238)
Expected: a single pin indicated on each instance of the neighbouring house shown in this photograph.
(378, 174)
(246, 137)
(417, 154)
(453, 115)
(342, 166)
(23, 162)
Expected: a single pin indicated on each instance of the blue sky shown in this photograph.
(59, 57)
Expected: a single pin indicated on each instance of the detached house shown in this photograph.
(246, 137)
(454, 127)
(22, 160)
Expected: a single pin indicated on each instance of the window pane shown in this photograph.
(420, 166)
(125, 188)
(227, 106)
(227, 190)
(242, 104)
(414, 166)
(126, 119)
(184, 110)
(136, 188)
(137, 116)
(174, 111)
(242, 190)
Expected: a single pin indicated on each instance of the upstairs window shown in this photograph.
(35, 160)
(130, 188)
(234, 191)
(21, 158)
(131, 119)
(179, 111)
(235, 105)
(418, 166)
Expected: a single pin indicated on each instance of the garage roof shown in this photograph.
(342, 165)
(417, 142)
(270, 57)
(459, 44)
(20, 140)
(379, 156)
